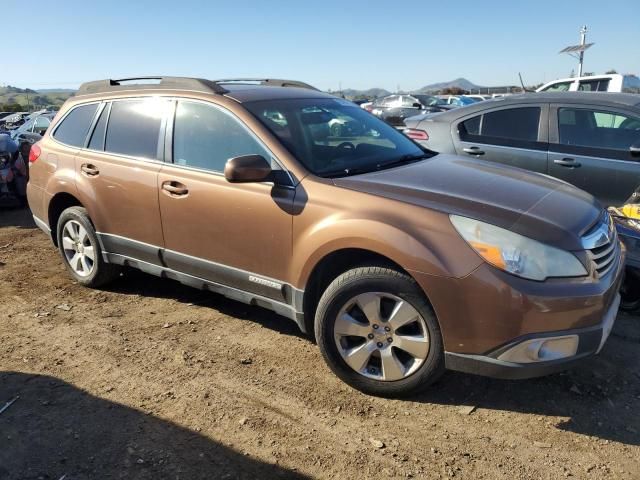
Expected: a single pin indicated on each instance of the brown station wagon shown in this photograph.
(400, 261)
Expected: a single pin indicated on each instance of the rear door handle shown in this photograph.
(89, 170)
(175, 189)
(567, 162)
(473, 151)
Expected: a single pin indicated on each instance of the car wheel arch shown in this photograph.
(58, 204)
(332, 265)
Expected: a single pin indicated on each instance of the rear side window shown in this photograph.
(75, 126)
(470, 127)
(134, 127)
(514, 123)
(503, 126)
(206, 137)
(601, 85)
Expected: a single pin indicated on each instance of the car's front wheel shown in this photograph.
(378, 333)
(80, 249)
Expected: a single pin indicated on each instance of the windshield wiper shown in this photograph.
(403, 160)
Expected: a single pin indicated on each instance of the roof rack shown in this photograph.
(271, 82)
(134, 83)
(187, 83)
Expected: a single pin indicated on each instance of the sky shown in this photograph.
(330, 44)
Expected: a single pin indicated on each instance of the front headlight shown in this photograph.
(516, 254)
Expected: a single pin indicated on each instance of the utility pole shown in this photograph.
(577, 51)
(583, 36)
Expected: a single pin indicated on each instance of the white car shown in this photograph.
(613, 82)
(479, 98)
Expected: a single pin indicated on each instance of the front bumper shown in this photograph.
(488, 312)
(590, 342)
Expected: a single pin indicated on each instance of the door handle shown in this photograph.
(89, 170)
(473, 151)
(175, 189)
(567, 162)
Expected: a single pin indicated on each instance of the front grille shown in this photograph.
(604, 256)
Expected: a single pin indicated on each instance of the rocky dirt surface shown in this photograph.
(151, 380)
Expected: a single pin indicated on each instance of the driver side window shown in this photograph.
(205, 137)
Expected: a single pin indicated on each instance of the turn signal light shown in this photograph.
(415, 134)
(34, 153)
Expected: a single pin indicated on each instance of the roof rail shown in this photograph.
(113, 85)
(271, 82)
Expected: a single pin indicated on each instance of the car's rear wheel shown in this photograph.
(80, 249)
(378, 333)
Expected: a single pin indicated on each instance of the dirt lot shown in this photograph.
(149, 379)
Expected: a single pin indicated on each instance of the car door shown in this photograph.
(590, 147)
(235, 234)
(117, 176)
(515, 135)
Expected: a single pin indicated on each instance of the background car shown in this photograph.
(591, 140)
(479, 98)
(394, 109)
(32, 130)
(462, 100)
(613, 82)
(14, 120)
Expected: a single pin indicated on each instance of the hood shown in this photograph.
(531, 204)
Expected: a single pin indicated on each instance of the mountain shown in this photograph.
(462, 83)
(23, 99)
(370, 93)
(9, 89)
(57, 90)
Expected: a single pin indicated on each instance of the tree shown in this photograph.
(454, 91)
(612, 71)
(12, 107)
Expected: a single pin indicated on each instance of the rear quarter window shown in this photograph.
(74, 127)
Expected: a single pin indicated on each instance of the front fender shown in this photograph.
(428, 252)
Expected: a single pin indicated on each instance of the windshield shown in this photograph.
(333, 137)
(429, 101)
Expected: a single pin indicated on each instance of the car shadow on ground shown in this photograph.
(135, 282)
(16, 217)
(598, 398)
(56, 430)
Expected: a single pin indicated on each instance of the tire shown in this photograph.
(76, 238)
(390, 371)
(630, 291)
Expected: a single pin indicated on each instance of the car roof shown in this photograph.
(253, 93)
(241, 90)
(578, 98)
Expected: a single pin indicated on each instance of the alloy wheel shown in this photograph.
(381, 336)
(78, 249)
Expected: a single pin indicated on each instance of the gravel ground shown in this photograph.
(148, 379)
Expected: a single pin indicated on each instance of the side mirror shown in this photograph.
(417, 105)
(247, 169)
(634, 150)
